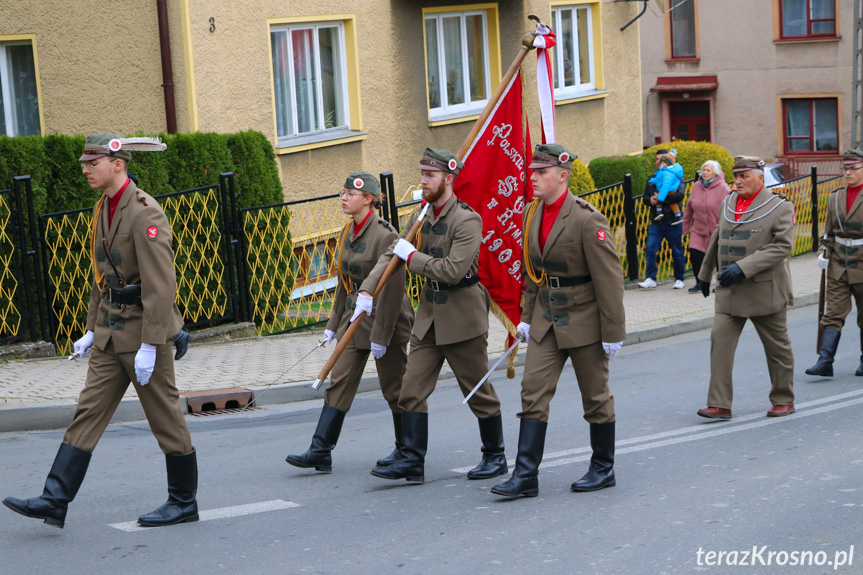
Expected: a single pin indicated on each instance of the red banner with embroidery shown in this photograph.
(495, 182)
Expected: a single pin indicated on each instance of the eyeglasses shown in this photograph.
(850, 169)
(348, 194)
(92, 165)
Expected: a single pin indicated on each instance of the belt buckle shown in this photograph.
(553, 282)
(435, 286)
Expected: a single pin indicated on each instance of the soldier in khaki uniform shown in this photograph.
(451, 321)
(842, 257)
(384, 333)
(573, 309)
(131, 320)
(751, 245)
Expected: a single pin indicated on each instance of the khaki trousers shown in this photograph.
(839, 294)
(468, 360)
(777, 347)
(348, 371)
(108, 378)
(543, 366)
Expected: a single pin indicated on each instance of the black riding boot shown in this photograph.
(493, 458)
(860, 367)
(601, 471)
(182, 505)
(415, 434)
(65, 478)
(829, 343)
(181, 342)
(323, 441)
(525, 480)
(397, 452)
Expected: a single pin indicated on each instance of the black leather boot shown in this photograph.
(323, 441)
(181, 342)
(525, 477)
(493, 458)
(860, 367)
(182, 505)
(415, 434)
(397, 452)
(601, 471)
(65, 478)
(829, 343)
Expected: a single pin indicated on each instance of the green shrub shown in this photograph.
(257, 175)
(691, 155)
(610, 170)
(580, 181)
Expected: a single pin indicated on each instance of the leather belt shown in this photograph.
(129, 295)
(559, 282)
(466, 281)
(848, 242)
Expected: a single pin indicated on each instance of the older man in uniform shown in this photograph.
(451, 321)
(132, 317)
(750, 246)
(573, 309)
(842, 256)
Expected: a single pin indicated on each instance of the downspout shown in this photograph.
(167, 69)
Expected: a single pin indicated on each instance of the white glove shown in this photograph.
(145, 361)
(83, 345)
(822, 261)
(523, 328)
(364, 304)
(378, 350)
(328, 336)
(404, 249)
(611, 349)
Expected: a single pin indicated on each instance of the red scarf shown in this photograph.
(112, 202)
(549, 214)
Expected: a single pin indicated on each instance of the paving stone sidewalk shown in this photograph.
(259, 361)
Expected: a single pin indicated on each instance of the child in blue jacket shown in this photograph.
(667, 179)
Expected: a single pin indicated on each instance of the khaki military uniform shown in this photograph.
(571, 321)
(139, 240)
(843, 237)
(389, 324)
(451, 322)
(759, 243)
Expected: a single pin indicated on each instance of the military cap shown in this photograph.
(552, 155)
(440, 160)
(99, 145)
(746, 163)
(364, 182)
(852, 156)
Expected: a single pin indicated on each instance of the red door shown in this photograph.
(690, 121)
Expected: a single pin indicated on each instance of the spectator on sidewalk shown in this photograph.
(663, 229)
(667, 179)
(702, 214)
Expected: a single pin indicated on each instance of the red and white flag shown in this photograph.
(545, 40)
(495, 182)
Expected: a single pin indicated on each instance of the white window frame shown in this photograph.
(297, 138)
(579, 89)
(469, 107)
(8, 110)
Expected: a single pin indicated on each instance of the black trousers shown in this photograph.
(696, 258)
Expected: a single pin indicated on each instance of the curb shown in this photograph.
(59, 415)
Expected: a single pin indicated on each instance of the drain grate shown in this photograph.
(218, 399)
(225, 411)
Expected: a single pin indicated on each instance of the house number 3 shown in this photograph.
(212, 24)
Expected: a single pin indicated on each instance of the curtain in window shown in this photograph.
(821, 9)
(331, 74)
(583, 47)
(453, 60)
(432, 63)
(826, 137)
(797, 119)
(683, 29)
(568, 48)
(281, 73)
(303, 45)
(794, 18)
(475, 57)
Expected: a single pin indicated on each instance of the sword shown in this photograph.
(320, 344)
(519, 338)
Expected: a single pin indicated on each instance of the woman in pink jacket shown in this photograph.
(701, 214)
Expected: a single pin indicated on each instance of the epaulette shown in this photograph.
(584, 204)
(141, 198)
(780, 194)
(383, 222)
(465, 206)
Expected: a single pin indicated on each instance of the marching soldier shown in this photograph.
(750, 246)
(451, 321)
(573, 309)
(132, 318)
(384, 333)
(843, 238)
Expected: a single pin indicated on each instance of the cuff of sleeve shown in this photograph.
(611, 333)
(381, 335)
(154, 333)
(410, 255)
(417, 262)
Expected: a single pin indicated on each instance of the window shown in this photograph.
(457, 63)
(311, 82)
(683, 39)
(807, 18)
(19, 94)
(811, 125)
(573, 59)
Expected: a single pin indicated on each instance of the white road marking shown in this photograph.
(698, 431)
(223, 513)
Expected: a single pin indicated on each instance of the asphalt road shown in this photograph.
(686, 486)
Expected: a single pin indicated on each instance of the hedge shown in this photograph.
(580, 180)
(610, 170)
(691, 155)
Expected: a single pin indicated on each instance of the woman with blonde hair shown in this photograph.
(701, 215)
